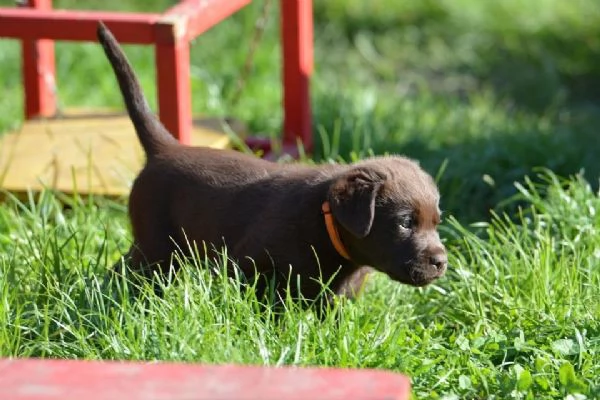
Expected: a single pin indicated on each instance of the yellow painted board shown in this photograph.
(90, 154)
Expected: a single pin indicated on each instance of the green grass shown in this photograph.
(517, 313)
(498, 100)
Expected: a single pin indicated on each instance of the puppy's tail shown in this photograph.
(151, 132)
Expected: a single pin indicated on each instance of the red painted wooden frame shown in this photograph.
(93, 380)
(37, 26)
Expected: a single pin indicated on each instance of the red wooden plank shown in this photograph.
(39, 72)
(75, 25)
(297, 38)
(174, 90)
(194, 17)
(58, 379)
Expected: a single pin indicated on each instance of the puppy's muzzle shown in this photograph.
(439, 259)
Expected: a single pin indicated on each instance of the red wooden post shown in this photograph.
(38, 71)
(174, 91)
(297, 44)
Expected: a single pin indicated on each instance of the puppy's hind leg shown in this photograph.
(137, 266)
(123, 263)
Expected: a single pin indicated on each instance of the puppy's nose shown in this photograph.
(439, 260)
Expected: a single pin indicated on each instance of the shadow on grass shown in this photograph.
(477, 148)
(480, 102)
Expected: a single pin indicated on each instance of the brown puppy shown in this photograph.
(293, 224)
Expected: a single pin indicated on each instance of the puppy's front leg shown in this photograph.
(354, 285)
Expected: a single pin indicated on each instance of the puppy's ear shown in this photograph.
(352, 199)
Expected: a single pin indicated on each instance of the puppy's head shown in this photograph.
(387, 211)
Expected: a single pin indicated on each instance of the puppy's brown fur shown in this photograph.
(269, 215)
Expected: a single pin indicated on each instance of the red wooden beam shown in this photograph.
(38, 71)
(58, 379)
(297, 39)
(32, 24)
(195, 17)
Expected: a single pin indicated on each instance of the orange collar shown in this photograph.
(334, 235)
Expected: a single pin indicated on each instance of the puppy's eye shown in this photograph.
(407, 221)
